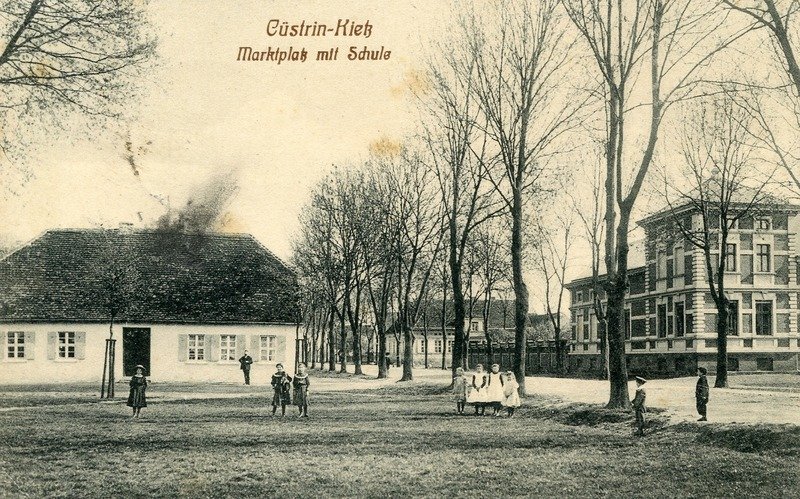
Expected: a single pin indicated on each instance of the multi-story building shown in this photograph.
(670, 316)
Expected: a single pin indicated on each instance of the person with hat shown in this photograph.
(701, 393)
(136, 398)
(639, 406)
(245, 361)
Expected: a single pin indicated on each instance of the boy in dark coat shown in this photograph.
(282, 390)
(639, 406)
(701, 393)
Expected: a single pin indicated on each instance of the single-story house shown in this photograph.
(185, 306)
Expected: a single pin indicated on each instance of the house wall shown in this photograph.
(168, 353)
(681, 342)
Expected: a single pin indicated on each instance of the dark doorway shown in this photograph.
(135, 350)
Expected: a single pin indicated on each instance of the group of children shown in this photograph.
(493, 389)
(282, 385)
(284, 390)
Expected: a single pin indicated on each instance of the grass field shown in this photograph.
(398, 441)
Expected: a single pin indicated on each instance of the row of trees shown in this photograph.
(513, 99)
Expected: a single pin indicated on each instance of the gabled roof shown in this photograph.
(149, 276)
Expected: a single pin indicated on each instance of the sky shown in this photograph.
(272, 129)
(267, 131)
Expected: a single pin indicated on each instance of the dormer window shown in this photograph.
(763, 223)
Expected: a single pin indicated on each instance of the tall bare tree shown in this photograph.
(725, 183)
(524, 59)
(670, 41)
(458, 159)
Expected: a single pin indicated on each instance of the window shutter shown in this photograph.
(30, 345)
(52, 337)
(241, 341)
(183, 347)
(280, 348)
(255, 348)
(213, 347)
(80, 346)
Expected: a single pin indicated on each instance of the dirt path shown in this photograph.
(677, 397)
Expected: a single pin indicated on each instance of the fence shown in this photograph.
(540, 356)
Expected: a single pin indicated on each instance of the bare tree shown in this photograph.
(523, 62)
(590, 212)
(457, 157)
(490, 251)
(552, 259)
(62, 56)
(418, 216)
(672, 40)
(379, 241)
(781, 124)
(725, 184)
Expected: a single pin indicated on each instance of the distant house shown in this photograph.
(501, 330)
(185, 306)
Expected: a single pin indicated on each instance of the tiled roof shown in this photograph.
(149, 275)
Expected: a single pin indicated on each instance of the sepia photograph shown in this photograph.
(407, 248)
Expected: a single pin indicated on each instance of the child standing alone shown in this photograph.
(136, 397)
(460, 390)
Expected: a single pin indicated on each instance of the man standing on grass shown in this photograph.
(639, 406)
(701, 393)
(245, 361)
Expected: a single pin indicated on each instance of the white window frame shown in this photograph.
(15, 345)
(449, 346)
(763, 221)
(66, 345)
(227, 347)
(196, 347)
(758, 260)
(268, 344)
(437, 346)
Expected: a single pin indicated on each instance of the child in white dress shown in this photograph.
(477, 394)
(494, 389)
(510, 393)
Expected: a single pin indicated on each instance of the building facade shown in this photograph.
(185, 306)
(670, 316)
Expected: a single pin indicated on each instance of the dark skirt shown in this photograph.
(301, 395)
(281, 397)
(136, 398)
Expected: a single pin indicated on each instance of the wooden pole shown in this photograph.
(112, 351)
(105, 368)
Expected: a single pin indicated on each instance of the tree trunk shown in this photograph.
(722, 345)
(332, 340)
(357, 350)
(444, 328)
(459, 353)
(559, 352)
(520, 292)
(381, 352)
(342, 344)
(487, 300)
(618, 372)
(408, 354)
